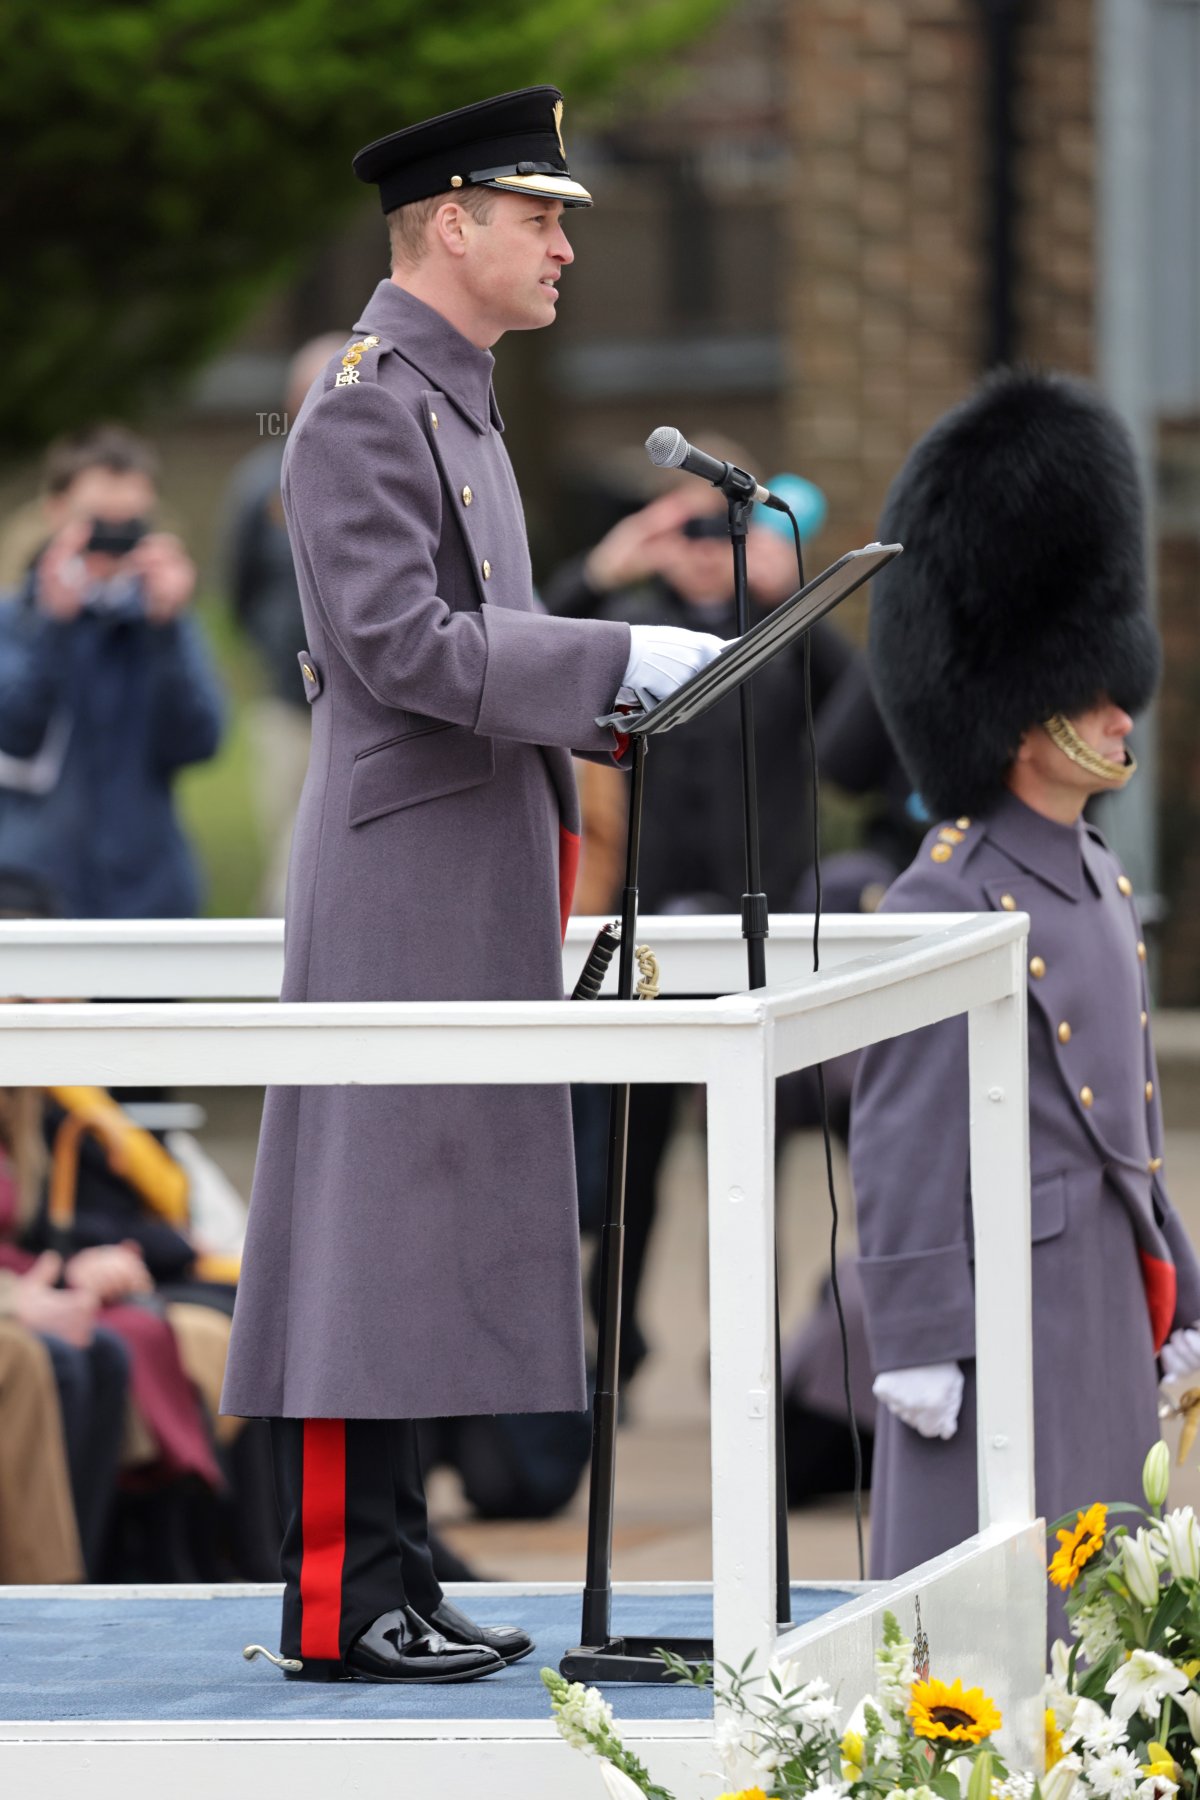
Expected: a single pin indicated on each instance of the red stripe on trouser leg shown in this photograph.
(323, 1529)
(1161, 1284)
(569, 846)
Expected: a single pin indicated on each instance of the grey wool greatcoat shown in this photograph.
(1113, 1271)
(415, 1251)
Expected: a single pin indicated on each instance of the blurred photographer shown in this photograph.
(106, 690)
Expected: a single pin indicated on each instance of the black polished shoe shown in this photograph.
(509, 1642)
(401, 1647)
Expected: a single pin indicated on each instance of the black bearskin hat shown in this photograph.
(1021, 592)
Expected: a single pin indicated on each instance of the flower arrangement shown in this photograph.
(781, 1738)
(1123, 1714)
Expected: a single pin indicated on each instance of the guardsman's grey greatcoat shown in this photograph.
(1113, 1271)
(1019, 608)
(414, 1252)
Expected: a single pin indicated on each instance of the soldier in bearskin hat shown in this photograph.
(1010, 647)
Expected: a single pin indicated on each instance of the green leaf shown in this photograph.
(1170, 1609)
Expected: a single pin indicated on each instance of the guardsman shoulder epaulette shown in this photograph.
(352, 366)
(953, 836)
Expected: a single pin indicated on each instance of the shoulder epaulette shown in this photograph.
(348, 375)
(946, 839)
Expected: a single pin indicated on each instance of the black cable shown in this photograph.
(855, 1440)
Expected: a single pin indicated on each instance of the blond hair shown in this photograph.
(407, 225)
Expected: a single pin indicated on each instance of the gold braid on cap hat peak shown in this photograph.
(1063, 733)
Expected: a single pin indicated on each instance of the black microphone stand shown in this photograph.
(601, 1657)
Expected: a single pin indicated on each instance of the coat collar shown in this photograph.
(458, 368)
(1053, 852)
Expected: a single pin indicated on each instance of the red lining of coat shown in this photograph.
(570, 845)
(1161, 1285)
(323, 1537)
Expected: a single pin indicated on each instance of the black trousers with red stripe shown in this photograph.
(355, 1533)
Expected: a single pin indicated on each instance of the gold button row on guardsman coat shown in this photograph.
(1037, 967)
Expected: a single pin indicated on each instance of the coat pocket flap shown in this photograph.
(1048, 1208)
(421, 765)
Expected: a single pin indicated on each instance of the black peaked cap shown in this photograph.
(512, 142)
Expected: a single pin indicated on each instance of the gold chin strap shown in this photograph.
(1063, 733)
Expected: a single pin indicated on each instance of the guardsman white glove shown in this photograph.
(928, 1397)
(661, 658)
(1180, 1355)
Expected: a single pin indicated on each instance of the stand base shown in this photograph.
(632, 1659)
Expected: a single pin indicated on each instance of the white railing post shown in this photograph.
(999, 1086)
(741, 1251)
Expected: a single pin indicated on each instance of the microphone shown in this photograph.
(669, 449)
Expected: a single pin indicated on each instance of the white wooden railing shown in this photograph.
(880, 976)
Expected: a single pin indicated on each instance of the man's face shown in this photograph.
(511, 265)
(109, 494)
(1103, 728)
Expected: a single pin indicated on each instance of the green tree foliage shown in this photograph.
(169, 161)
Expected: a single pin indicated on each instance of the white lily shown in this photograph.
(1141, 1561)
(1178, 1536)
(1062, 1782)
(1189, 1700)
(1142, 1683)
(619, 1785)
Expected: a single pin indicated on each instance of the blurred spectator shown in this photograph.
(106, 691)
(670, 563)
(91, 1307)
(261, 584)
(39, 1540)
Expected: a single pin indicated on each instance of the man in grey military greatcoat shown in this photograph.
(413, 1252)
(1009, 646)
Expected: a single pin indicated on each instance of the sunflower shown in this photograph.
(962, 1716)
(1054, 1743)
(1077, 1547)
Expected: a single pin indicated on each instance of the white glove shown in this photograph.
(661, 658)
(1180, 1355)
(928, 1397)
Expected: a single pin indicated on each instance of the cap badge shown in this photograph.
(558, 113)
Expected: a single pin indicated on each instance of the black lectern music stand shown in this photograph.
(600, 1656)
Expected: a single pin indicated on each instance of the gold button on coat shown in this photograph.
(308, 674)
(941, 853)
(1154, 1165)
(433, 420)
(950, 834)
(1086, 1095)
(1125, 885)
(1037, 967)
(1064, 1033)
(1145, 1020)
(1149, 1090)
(487, 569)
(963, 824)
(1141, 952)
(1008, 903)
(468, 496)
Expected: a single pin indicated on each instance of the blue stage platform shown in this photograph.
(160, 1656)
